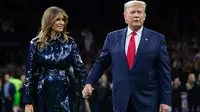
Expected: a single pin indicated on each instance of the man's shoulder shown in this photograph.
(153, 32)
(116, 34)
(117, 31)
(155, 35)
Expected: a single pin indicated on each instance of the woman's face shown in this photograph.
(192, 78)
(58, 24)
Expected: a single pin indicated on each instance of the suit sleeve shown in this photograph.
(164, 73)
(31, 69)
(101, 63)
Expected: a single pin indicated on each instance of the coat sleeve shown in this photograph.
(31, 69)
(164, 73)
(77, 63)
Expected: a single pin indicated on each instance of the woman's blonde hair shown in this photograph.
(48, 18)
(191, 77)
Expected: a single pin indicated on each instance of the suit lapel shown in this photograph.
(122, 36)
(142, 46)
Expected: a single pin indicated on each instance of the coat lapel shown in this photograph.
(142, 46)
(122, 36)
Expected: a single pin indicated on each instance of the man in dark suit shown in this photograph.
(140, 65)
(8, 92)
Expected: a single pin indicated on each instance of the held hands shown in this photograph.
(87, 91)
(164, 108)
(29, 108)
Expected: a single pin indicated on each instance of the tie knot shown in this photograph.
(133, 33)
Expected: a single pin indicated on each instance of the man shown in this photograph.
(8, 92)
(140, 65)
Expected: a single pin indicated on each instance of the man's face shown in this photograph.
(176, 81)
(135, 16)
(6, 77)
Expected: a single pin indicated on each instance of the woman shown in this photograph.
(52, 53)
(191, 87)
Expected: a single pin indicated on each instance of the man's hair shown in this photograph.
(134, 3)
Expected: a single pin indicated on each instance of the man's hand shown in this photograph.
(29, 108)
(87, 91)
(164, 108)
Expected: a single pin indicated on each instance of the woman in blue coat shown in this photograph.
(51, 54)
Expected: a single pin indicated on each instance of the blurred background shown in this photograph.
(89, 23)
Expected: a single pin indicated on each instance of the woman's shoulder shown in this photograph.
(70, 40)
(34, 41)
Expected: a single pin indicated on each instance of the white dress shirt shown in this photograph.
(137, 38)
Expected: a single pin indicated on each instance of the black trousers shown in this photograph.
(130, 107)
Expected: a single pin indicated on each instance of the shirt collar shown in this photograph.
(59, 38)
(139, 32)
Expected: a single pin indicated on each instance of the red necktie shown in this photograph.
(131, 50)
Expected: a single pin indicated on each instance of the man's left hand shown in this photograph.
(164, 108)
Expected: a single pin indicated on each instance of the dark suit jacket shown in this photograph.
(12, 90)
(149, 80)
